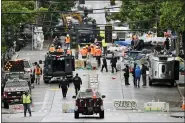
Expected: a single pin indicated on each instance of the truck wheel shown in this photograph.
(46, 81)
(76, 113)
(6, 105)
(101, 114)
(150, 82)
(172, 83)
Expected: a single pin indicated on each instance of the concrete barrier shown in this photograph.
(68, 107)
(18, 108)
(122, 104)
(156, 106)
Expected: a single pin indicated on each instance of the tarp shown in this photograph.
(123, 43)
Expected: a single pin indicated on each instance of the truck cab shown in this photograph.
(57, 65)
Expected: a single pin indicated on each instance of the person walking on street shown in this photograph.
(126, 75)
(104, 65)
(32, 80)
(143, 72)
(27, 100)
(104, 45)
(138, 75)
(98, 54)
(77, 82)
(38, 73)
(64, 85)
(113, 63)
(133, 74)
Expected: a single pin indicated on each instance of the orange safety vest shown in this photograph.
(60, 50)
(52, 49)
(92, 50)
(68, 40)
(69, 52)
(94, 53)
(84, 52)
(98, 52)
(37, 71)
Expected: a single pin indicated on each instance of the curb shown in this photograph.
(178, 115)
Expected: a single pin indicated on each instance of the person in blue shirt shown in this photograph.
(137, 75)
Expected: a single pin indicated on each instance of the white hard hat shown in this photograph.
(58, 46)
(67, 35)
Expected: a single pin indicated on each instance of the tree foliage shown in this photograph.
(140, 14)
(173, 15)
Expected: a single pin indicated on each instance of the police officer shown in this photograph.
(133, 74)
(64, 84)
(26, 98)
(113, 63)
(126, 75)
(104, 64)
(143, 73)
(77, 82)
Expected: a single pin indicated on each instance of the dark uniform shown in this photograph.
(133, 74)
(77, 82)
(64, 84)
(104, 65)
(126, 75)
(143, 72)
(167, 44)
(113, 63)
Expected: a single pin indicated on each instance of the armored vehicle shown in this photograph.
(163, 68)
(57, 65)
(89, 102)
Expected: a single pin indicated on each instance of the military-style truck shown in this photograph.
(57, 65)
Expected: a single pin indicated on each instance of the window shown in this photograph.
(163, 68)
(26, 64)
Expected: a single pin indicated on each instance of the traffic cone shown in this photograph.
(183, 105)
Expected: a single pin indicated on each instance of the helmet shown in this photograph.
(52, 45)
(86, 45)
(97, 47)
(59, 47)
(83, 47)
(91, 44)
(67, 35)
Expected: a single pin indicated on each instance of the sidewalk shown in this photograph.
(181, 86)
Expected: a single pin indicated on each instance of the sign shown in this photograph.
(18, 108)
(156, 106)
(68, 107)
(125, 104)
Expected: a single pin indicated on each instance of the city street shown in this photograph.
(48, 100)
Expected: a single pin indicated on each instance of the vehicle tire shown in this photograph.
(172, 83)
(150, 82)
(6, 105)
(76, 113)
(46, 81)
(101, 114)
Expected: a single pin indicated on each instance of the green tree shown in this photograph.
(140, 14)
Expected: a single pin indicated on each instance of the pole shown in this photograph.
(32, 39)
(37, 7)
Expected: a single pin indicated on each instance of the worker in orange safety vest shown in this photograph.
(84, 53)
(67, 41)
(52, 48)
(60, 49)
(98, 54)
(38, 73)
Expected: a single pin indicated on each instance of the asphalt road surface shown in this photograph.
(48, 99)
